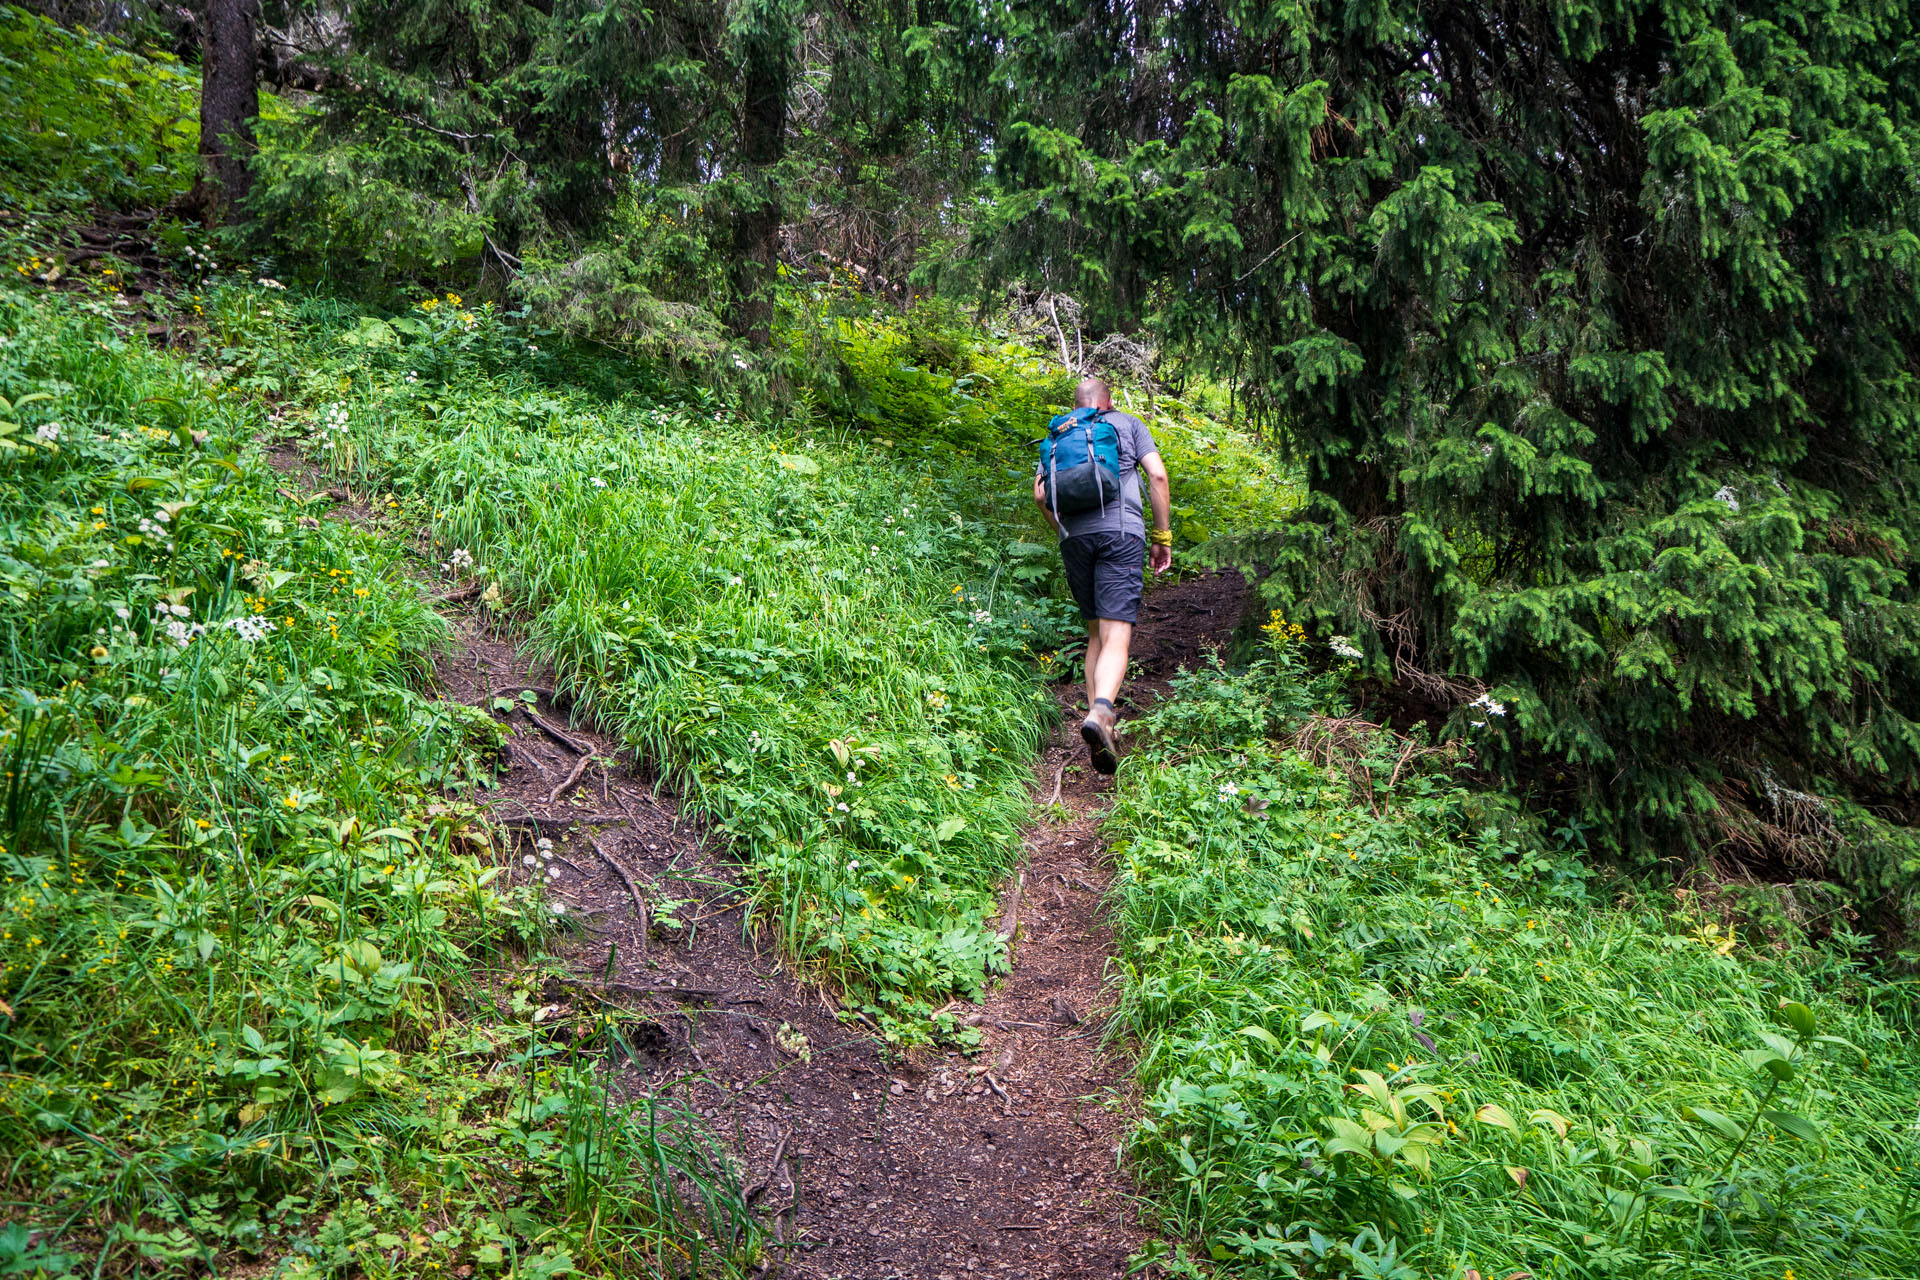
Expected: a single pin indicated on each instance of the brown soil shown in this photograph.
(1005, 1162)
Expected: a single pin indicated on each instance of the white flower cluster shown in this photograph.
(412, 377)
(202, 258)
(268, 282)
(1489, 706)
(461, 561)
(981, 617)
(597, 482)
(331, 421)
(250, 629)
(154, 528)
(1227, 792)
(1726, 498)
(1344, 647)
(172, 618)
(47, 431)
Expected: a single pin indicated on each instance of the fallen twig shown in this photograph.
(773, 1166)
(1058, 774)
(572, 780)
(1010, 918)
(551, 731)
(650, 989)
(639, 903)
(533, 821)
(464, 593)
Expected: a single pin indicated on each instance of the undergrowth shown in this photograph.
(827, 648)
(1384, 1032)
(262, 993)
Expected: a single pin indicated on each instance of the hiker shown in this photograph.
(1088, 484)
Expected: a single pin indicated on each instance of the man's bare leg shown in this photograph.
(1107, 644)
(1107, 659)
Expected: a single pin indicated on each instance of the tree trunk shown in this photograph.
(767, 54)
(229, 103)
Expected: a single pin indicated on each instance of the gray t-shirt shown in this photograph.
(1126, 515)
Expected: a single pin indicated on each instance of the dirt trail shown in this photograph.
(1004, 1162)
(935, 1166)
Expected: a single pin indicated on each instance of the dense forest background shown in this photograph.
(1534, 893)
(1590, 327)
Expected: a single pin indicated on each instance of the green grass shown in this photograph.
(828, 647)
(1565, 1073)
(264, 992)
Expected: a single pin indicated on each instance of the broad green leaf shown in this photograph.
(1713, 1120)
(1799, 1017)
(1264, 1036)
(1797, 1125)
(1495, 1114)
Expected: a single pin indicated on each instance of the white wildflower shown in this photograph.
(598, 483)
(1344, 647)
(1227, 792)
(530, 860)
(1487, 703)
(47, 431)
(735, 580)
(558, 908)
(249, 629)
(268, 282)
(543, 844)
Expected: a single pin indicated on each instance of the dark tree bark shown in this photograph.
(768, 69)
(229, 103)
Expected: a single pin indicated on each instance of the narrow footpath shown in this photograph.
(933, 1166)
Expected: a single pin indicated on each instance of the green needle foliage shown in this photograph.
(1384, 1034)
(1594, 326)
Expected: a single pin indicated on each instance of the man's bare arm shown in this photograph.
(1040, 501)
(1160, 497)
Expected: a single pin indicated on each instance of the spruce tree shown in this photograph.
(1593, 327)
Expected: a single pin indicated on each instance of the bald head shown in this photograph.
(1092, 393)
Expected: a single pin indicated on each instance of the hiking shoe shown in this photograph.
(1097, 732)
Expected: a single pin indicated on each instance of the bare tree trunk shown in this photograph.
(768, 54)
(229, 104)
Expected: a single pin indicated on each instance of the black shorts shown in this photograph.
(1104, 573)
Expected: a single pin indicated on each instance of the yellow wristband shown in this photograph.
(1160, 537)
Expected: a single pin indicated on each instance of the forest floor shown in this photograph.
(929, 1164)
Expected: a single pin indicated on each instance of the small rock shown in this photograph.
(896, 1088)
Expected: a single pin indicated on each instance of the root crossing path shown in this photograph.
(931, 1167)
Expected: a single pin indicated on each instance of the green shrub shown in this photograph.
(85, 120)
(1384, 1033)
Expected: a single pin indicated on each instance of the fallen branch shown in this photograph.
(1010, 919)
(534, 823)
(1058, 774)
(572, 780)
(639, 903)
(685, 993)
(463, 594)
(552, 732)
(773, 1166)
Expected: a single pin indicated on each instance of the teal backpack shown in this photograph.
(1080, 463)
